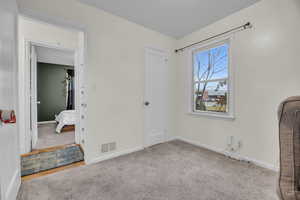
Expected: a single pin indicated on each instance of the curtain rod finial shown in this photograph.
(248, 25)
(178, 50)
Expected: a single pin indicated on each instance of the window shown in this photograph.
(211, 84)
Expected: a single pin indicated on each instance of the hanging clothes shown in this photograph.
(70, 90)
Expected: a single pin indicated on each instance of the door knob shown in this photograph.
(38, 102)
(147, 103)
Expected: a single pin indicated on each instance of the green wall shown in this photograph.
(51, 90)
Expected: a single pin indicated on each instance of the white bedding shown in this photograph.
(66, 117)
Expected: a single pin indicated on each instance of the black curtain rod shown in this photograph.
(243, 27)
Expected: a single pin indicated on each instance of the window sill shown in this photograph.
(212, 115)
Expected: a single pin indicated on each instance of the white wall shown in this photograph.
(265, 59)
(115, 71)
(55, 56)
(9, 151)
(266, 64)
(35, 31)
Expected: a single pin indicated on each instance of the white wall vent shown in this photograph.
(108, 147)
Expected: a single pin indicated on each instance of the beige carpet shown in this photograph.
(169, 171)
(47, 137)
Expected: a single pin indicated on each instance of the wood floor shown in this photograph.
(38, 151)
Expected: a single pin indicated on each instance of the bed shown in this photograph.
(65, 118)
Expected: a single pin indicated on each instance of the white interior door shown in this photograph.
(33, 96)
(156, 89)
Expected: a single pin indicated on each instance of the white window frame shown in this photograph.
(191, 103)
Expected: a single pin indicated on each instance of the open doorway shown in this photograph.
(55, 94)
(52, 102)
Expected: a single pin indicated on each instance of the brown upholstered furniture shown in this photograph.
(289, 139)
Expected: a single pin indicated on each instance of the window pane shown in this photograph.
(211, 64)
(211, 96)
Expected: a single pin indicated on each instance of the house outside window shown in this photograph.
(211, 80)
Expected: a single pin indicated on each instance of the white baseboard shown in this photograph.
(120, 153)
(226, 153)
(47, 122)
(113, 155)
(13, 187)
(231, 155)
(171, 138)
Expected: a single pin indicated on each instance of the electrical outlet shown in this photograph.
(240, 144)
(230, 141)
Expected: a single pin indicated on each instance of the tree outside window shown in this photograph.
(210, 79)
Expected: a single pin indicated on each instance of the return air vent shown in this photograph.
(108, 147)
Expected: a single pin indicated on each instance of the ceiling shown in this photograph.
(175, 18)
(54, 56)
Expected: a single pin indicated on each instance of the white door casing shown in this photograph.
(77, 67)
(33, 96)
(156, 91)
(80, 93)
(80, 100)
